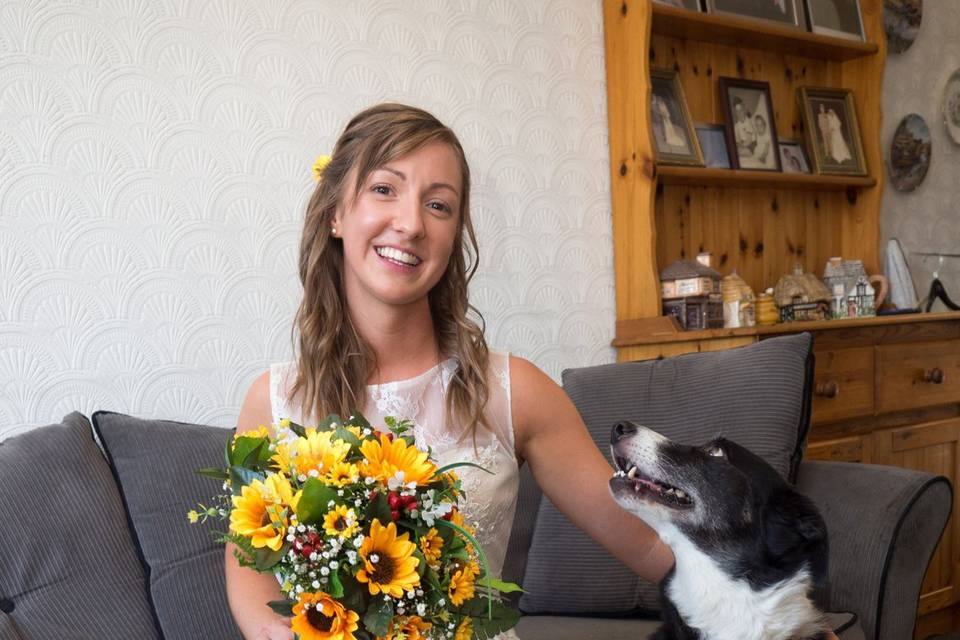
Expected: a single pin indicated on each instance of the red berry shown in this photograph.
(307, 550)
(408, 500)
(390, 436)
(393, 500)
(374, 495)
(394, 514)
(315, 538)
(447, 516)
(412, 505)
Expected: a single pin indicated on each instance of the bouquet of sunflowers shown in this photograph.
(362, 530)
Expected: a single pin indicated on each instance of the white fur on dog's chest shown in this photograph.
(722, 608)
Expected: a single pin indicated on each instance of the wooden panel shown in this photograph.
(701, 177)
(843, 384)
(856, 449)
(903, 369)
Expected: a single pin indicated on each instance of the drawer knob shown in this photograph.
(827, 389)
(934, 375)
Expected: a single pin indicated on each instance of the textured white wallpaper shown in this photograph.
(155, 162)
(927, 219)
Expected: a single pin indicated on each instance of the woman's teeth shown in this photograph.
(398, 256)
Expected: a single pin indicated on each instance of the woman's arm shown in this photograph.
(248, 592)
(551, 437)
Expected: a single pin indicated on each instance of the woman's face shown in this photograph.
(399, 231)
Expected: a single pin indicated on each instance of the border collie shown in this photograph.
(749, 549)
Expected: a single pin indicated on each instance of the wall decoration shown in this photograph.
(692, 5)
(840, 18)
(951, 106)
(910, 153)
(901, 20)
(713, 143)
(673, 134)
(792, 157)
(784, 12)
(833, 133)
(751, 130)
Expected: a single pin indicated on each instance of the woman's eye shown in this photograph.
(440, 206)
(382, 189)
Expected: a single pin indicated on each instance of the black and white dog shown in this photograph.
(749, 549)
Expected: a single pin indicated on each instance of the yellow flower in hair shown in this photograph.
(318, 166)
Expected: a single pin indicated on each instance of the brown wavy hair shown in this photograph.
(335, 362)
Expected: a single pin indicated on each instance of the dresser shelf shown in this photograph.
(701, 177)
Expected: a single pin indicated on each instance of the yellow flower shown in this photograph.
(318, 166)
(431, 544)
(340, 521)
(317, 451)
(461, 586)
(408, 628)
(342, 474)
(317, 616)
(355, 431)
(193, 516)
(465, 630)
(260, 511)
(452, 478)
(259, 432)
(389, 565)
(385, 459)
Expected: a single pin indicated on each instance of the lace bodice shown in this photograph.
(490, 499)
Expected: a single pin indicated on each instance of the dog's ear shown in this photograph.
(794, 533)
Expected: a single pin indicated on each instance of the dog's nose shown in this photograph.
(622, 430)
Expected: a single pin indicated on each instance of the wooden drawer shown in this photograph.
(843, 384)
(918, 374)
(855, 449)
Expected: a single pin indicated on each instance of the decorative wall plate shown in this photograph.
(910, 153)
(951, 106)
(901, 18)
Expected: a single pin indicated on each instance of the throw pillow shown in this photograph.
(155, 463)
(754, 395)
(68, 567)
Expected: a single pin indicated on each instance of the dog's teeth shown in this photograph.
(633, 473)
(681, 494)
(670, 491)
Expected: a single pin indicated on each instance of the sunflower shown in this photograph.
(340, 521)
(260, 511)
(388, 561)
(317, 451)
(386, 459)
(342, 473)
(461, 586)
(317, 616)
(259, 432)
(431, 544)
(465, 630)
(408, 628)
(318, 166)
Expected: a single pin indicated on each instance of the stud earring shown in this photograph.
(333, 230)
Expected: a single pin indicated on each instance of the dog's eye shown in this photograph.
(715, 452)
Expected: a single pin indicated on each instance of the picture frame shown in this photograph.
(838, 18)
(832, 131)
(689, 5)
(792, 157)
(783, 12)
(713, 144)
(750, 125)
(674, 139)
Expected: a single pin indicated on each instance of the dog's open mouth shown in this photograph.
(664, 493)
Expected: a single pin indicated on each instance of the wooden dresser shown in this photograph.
(886, 391)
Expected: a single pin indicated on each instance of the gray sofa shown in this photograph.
(95, 542)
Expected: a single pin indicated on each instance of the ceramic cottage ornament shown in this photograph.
(802, 296)
(691, 293)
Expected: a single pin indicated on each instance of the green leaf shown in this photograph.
(252, 459)
(454, 465)
(282, 607)
(242, 447)
(378, 616)
(357, 420)
(312, 506)
(379, 509)
(355, 594)
(422, 562)
(240, 477)
(487, 625)
(266, 559)
(298, 429)
(336, 587)
(213, 472)
(327, 423)
(499, 585)
(480, 554)
(346, 436)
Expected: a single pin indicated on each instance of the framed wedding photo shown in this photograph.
(783, 12)
(832, 131)
(792, 157)
(839, 18)
(751, 130)
(673, 136)
(713, 143)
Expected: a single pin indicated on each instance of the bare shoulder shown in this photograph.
(256, 409)
(537, 402)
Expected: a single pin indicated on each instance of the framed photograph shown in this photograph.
(792, 157)
(832, 131)
(692, 5)
(840, 18)
(713, 143)
(673, 136)
(751, 130)
(784, 12)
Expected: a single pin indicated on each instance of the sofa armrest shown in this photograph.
(884, 524)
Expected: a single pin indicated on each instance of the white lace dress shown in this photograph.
(490, 499)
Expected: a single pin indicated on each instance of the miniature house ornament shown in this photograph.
(691, 293)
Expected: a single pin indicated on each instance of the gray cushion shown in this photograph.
(68, 567)
(156, 462)
(754, 395)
